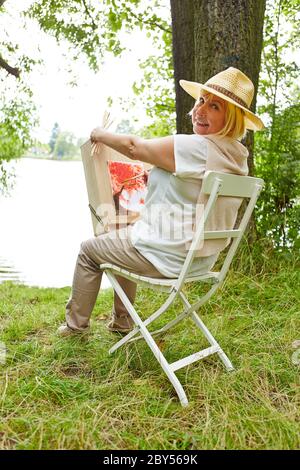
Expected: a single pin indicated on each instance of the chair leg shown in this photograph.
(128, 338)
(165, 366)
(195, 317)
(185, 313)
(149, 340)
(164, 328)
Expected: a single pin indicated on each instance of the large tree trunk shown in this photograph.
(183, 59)
(212, 35)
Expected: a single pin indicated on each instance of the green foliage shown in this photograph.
(278, 163)
(14, 133)
(39, 150)
(66, 145)
(156, 90)
(17, 118)
(94, 28)
(277, 150)
(17, 110)
(158, 128)
(53, 138)
(125, 127)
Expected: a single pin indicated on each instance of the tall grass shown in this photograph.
(70, 394)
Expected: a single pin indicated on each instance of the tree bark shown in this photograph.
(213, 35)
(3, 64)
(12, 70)
(183, 59)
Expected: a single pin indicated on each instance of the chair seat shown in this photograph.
(164, 284)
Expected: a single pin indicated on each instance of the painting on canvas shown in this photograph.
(116, 186)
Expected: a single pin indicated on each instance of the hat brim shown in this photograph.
(252, 122)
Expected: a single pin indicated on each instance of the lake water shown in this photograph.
(43, 222)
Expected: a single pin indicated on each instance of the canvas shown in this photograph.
(116, 186)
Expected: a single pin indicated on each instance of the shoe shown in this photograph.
(64, 330)
(121, 324)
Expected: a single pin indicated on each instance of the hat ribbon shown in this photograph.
(228, 93)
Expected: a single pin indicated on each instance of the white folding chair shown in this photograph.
(214, 184)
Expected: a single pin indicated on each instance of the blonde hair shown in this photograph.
(234, 119)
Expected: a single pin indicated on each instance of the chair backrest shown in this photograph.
(217, 184)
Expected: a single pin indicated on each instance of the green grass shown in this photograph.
(70, 394)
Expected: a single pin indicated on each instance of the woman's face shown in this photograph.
(208, 115)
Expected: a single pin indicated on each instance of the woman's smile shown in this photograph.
(202, 123)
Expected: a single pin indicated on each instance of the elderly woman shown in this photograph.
(220, 118)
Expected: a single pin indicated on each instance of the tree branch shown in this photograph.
(88, 13)
(12, 70)
(138, 17)
(1, 2)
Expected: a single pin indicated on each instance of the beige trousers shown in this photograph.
(113, 247)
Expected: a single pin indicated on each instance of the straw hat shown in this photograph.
(231, 85)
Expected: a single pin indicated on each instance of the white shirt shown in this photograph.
(165, 229)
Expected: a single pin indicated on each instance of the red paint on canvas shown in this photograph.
(129, 183)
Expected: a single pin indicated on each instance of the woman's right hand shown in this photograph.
(97, 134)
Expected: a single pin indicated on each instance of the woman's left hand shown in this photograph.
(97, 134)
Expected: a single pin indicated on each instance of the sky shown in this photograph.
(80, 108)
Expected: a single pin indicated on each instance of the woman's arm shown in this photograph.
(158, 152)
